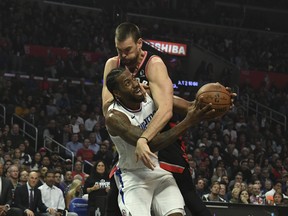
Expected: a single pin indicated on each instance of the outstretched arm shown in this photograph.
(119, 125)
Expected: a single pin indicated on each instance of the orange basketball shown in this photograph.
(216, 94)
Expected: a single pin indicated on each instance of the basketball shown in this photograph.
(216, 94)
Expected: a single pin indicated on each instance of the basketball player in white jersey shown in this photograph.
(140, 188)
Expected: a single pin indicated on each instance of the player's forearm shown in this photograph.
(158, 122)
(168, 137)
(180, 105)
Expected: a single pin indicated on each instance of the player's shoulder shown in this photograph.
(155, 59)
(112, 61)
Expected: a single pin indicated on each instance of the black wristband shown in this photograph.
(144, 138)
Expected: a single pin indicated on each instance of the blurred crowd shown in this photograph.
(237, 159)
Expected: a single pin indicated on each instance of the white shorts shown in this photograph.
(143, 190)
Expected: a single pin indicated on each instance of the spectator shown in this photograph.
(200, 187)
(13, 172)
(278, 199)
(74, 145)
(53, 196)
(30, 203)
(256, 197)
(104, 154)
(276, 188)
(213, 196)
(235, 195)
(85, 153)
(23, 177)
(36, 162)
(6, 196)
(15, 136)
(90, 122)
(97, 186)
(244, 197)
(78, 170)
(74, 191)
(68, 178)
(93, 144)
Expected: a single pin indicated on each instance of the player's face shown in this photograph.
(129, 88)
(129, 51)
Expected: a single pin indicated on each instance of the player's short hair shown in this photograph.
(125, 30)
(111, 82)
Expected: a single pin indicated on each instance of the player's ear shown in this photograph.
(116, 94)
(139, 43)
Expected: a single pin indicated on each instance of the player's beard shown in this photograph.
(131, 62)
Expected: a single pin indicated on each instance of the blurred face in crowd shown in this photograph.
(278, 187)
(244, 195)
(50, 179)
(68, 176)
(33, 179)
(200, 184)
(13, 172)
(222, 190)
(57, 178)
(78, 166)
(100, 168)
(215, 189)
(277, 198)
(256, 189)
(24, 176)
(43, 171)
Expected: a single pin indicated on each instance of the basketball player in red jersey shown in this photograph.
(151, 70)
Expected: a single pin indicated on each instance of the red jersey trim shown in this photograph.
(113, 170)
(171, 167)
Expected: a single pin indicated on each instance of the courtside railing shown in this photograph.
(252, 106)
(26, 128)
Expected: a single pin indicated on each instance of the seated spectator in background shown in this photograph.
(43, 152)
(68, 165)
(57, 179)
(256, 197)
(213, 196)
(276, 188)
(223, 191)
(41, 173)
(36, 161)
(244, 197)
(74, 191)
(52, 196)
(23, 177)
(46, 162)
(104, 154)
(15, 136)
(278, 199)
(78, 170)
(6, 196)
(97, 186)
(200, 187)
(85, 153)
(24, 157)
(74, 145)
(90, 122)
(30, 203)
(54, 159)
(13, 174)
(235, 195)
(93, 143)
(67, 181)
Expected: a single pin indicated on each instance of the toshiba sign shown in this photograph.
(169, 47)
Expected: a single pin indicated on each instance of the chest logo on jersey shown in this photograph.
(146, 121)
(142, 73)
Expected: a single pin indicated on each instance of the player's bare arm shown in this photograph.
(118, 124)
(106, 95)
(161, 88)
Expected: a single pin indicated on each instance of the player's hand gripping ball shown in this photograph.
(216, 94)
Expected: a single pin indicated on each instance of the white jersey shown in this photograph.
(140, 118)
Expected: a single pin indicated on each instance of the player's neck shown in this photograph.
(130, 106)
(134, 68)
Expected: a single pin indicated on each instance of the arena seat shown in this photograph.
(79, 206)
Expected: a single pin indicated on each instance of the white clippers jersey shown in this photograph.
(140, 118)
